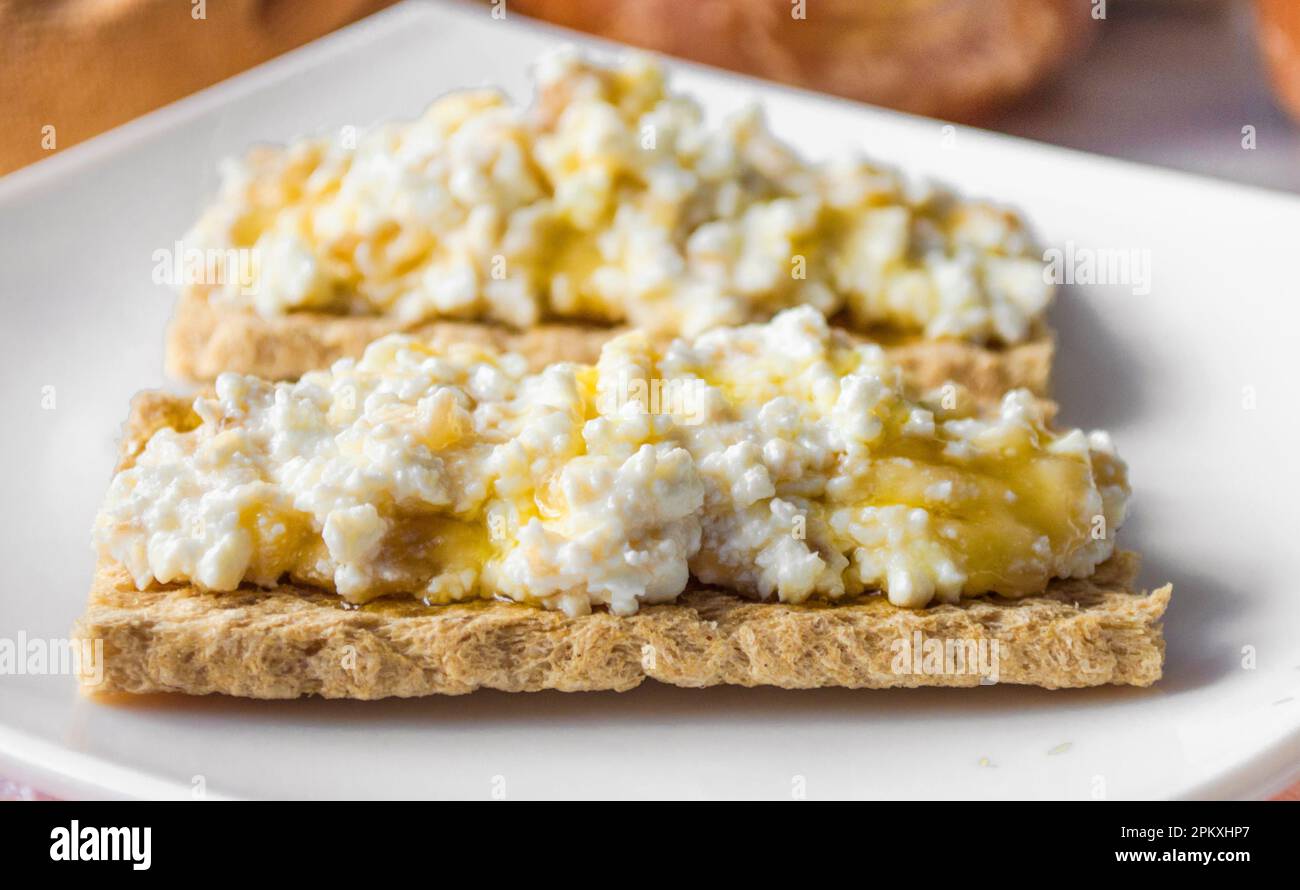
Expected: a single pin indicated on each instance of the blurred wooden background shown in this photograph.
(1166, 81)
(72, 68)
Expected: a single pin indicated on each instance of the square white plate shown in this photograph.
(1197, 380)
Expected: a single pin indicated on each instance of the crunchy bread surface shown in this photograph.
(203, 341)
(292, 641)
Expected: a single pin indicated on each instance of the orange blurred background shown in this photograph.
(82, 67)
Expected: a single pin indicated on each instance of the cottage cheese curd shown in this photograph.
(780, 460)
(612, 199)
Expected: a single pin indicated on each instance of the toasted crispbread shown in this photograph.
(205, 340)
(291, 641)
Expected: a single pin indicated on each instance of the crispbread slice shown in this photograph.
(291, 641)
(205, 340)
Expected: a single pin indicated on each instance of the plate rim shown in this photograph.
(62, 770)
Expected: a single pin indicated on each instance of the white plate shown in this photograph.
(1167, 372)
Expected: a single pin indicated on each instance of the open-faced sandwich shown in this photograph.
(609, 202)
(774, 503)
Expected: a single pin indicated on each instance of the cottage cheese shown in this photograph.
(611, 199)
(780, 460)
